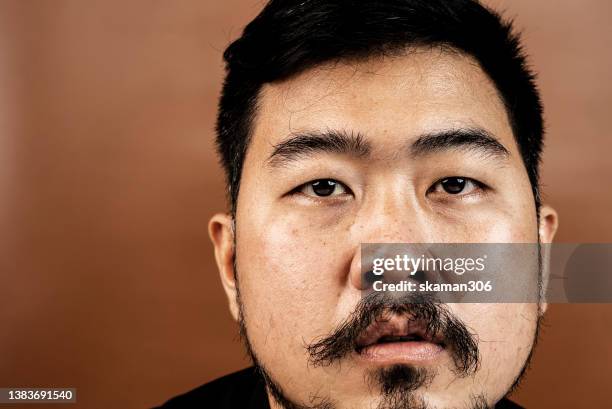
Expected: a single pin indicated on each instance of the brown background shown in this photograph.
(108, 178)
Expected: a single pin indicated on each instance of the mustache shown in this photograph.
(438, 322)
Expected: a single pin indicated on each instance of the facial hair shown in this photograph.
(397, 383)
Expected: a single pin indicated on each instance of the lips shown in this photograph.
(396, 339)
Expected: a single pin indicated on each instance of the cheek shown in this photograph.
(518, 221)
(505, 335)
(293, 257)
(515, 223)
(291, 278)
(511, 218)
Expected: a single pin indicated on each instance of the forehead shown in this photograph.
(388, 99)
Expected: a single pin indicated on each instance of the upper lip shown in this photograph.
(393, 327)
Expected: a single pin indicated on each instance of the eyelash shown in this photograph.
(299, 189)
(431, 190)
(477, 185)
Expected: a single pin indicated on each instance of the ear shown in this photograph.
(548, 223)
(547, 228)
(221, 232)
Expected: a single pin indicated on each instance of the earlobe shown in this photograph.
(221, 232)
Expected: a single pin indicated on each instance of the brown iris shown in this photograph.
(324, 187)
(453, 185)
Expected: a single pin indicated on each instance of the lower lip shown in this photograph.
(396, 352)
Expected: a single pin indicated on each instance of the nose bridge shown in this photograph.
(389, 216)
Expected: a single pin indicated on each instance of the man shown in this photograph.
(350, 122)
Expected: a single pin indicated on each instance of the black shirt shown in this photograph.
(243, 390)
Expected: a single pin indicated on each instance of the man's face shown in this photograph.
(305, 207)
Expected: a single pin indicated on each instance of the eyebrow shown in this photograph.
(474, 139)
(299, 145)
(308, 143)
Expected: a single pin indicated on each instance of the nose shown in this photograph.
(385, 219)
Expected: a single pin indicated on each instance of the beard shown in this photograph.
(397, 384)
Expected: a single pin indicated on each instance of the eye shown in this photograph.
(456, 185)
(323, 188)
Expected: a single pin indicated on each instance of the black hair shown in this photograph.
(290, 36)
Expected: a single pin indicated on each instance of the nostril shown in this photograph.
(369, 278)
(419, 276)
